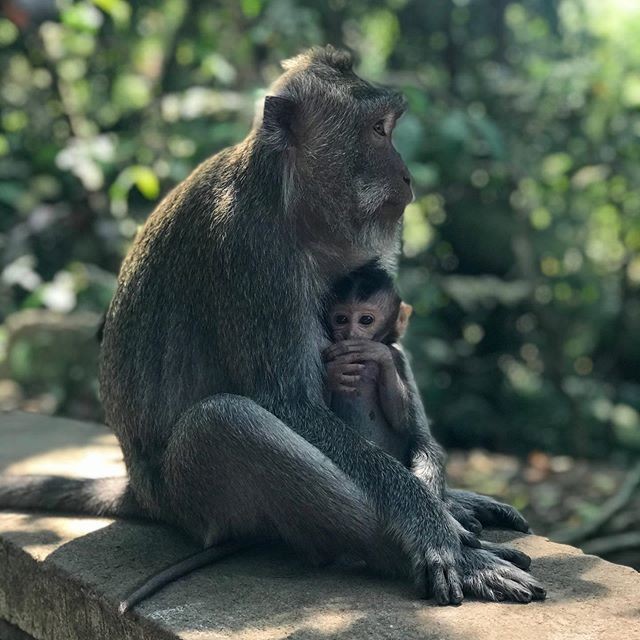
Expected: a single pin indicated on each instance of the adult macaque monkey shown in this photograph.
(214, 387)
(368, 385)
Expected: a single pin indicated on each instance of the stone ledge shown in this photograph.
(61, 578)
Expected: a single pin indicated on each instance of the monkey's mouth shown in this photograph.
(392, 210)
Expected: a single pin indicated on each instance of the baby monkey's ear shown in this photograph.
(403, 318)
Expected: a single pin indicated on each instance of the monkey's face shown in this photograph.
(367, 177)
(382, 180)
(370, 319)
(351, 321)
(343, 174)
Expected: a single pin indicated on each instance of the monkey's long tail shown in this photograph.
(182, 568)
(109, 497)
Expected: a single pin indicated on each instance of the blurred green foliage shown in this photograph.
(520, 253)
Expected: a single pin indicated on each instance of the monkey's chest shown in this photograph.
(362, 413)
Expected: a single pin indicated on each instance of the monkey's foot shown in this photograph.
(488, 577)
(475, 511)
(515, 557)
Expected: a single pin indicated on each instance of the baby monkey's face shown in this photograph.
(372, 319)
(353, 320)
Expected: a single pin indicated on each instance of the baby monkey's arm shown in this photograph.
(393, 392)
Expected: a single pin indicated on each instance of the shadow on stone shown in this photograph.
(269, 589)
(265, 588)
(58, 445)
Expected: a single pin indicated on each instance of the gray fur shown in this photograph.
(108, 497)
(210, 370)
(365, 417)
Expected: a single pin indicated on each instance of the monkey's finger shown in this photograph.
(455, 586)
(514, 589)
(503, 516)
(355, 357)
(519, 559)
(473, 525)
(352, 356)
(469, 523)
(465, 517)
(439, 584)
(517, 592)
(344, 389)
(354, 367)
(342, 347)
(468, 539)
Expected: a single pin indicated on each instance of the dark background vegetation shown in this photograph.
(520, 253)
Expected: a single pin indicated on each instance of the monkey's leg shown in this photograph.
(473, 511)
(235, 471)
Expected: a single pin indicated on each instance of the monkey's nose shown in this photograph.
(407, 180)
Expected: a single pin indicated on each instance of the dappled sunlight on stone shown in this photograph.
(259, 594)
(40, 536)
(329, 622)
(95, 461)
(308, 623)
(64, 447)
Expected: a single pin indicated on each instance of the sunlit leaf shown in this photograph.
(146, 181)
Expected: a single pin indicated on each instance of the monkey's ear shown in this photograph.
(277, 120)
(403, 318)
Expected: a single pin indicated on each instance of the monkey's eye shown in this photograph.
(366, 319)
(341, 319)
(378, 127)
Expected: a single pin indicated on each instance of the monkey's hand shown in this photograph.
(436, 553)
(359, 351)
(475, 511)
(343, 377)
(491, 572)
(393, 394)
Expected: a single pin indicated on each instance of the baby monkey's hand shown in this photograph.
(343, 377)
(345, 362)
(360, 351)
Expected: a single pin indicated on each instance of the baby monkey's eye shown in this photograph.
(366, 320)
(378, 127)
(341, 319)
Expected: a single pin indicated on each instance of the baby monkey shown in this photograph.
(365, 320)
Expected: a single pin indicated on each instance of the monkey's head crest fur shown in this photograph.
(331, 131)
(323, 57)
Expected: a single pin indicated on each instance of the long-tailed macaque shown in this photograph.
(366, 387)
(215, 389)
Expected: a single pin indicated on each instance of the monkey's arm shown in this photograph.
(427, 456)
(428, 461)
(393, 393)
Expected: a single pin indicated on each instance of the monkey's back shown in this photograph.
(210, 273)
(158, 351)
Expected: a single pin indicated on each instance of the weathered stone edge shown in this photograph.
(45, 601)
(10, 632)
